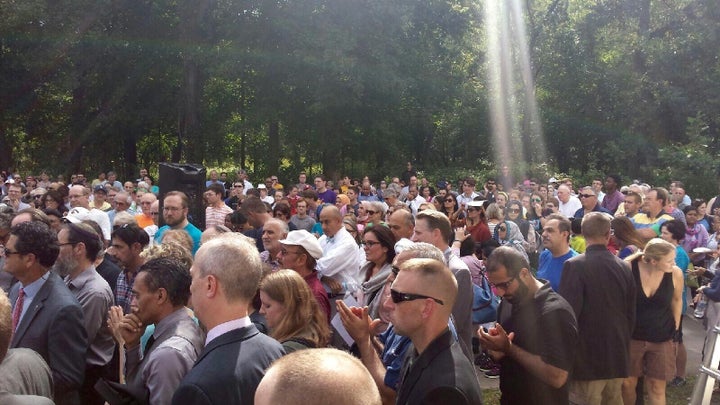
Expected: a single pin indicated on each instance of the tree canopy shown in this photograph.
(360, 86)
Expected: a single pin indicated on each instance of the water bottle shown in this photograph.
(700, 307)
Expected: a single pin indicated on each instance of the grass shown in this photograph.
(674, 395)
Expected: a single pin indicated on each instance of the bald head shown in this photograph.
(435, 280)
(337, 378)
(402, 224)
(331, 220)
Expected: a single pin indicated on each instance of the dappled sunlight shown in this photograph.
(513, 107)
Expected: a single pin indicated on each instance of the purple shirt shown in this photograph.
(328, 196)
(612, 201)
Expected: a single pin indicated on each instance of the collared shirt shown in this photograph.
(226, 327)
(123, 291)
(31, 291)
(265, 257)
(95, 297)
(340, 259)
(169, 359)
(642, 220)
(545, 326)
(462, 199)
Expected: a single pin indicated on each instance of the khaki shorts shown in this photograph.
(653, 360)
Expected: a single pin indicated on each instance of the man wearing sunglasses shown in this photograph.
(419, 306)
(589, 202)
(46, 316)
(536, 334)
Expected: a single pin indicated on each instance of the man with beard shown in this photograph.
(536, 333)
(79, 247)
(175, 211)
(127, 243)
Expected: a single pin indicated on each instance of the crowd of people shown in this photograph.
(349, 291)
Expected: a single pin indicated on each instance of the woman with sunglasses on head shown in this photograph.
(452, 210)
(476, 222)
(514, 214)
(379, 245)
(658, 305)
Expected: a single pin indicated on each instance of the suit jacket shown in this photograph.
(462, 310)
(441, 375)
(7, 398)
(229, 370)
(24, 372)
(53, 326)
(601, 290)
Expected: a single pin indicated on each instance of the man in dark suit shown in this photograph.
(225, 278)
(46, 316)
(600, 288)
(435, 370)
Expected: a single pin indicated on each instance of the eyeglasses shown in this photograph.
(501, 229)
(286, 252)
(514, 210)
(395, 269)
(9, 252)
(536, 200)
(371, 212)
(449, 200)
(370, 243)
(398, 297)
(586, 195)
(504, 285)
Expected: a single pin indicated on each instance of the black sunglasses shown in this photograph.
(502, 229)
(398, 297)
(586, 195)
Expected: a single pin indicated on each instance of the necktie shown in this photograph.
(148, 345)
(18, 308)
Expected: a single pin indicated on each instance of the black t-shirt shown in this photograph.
(545, 326)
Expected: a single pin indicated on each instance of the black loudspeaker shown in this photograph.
(190, 179)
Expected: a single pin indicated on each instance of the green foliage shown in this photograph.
(359, 87)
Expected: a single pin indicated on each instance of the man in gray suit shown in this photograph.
(46, 316)
(434, 227)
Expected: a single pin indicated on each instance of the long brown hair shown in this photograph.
(303, 316)
(625, 232)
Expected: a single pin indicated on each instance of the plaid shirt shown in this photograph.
(123, 292)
